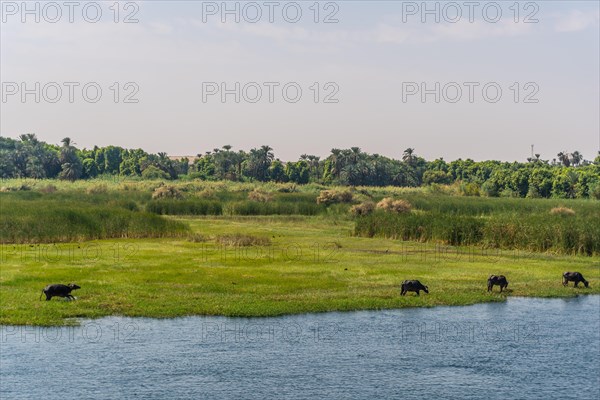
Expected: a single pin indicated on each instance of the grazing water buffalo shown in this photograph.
(499, 280)
(574, 277)
(413, 286)
(59, 290)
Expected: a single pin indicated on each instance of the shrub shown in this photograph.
(167, 192)
(469, 189)
(490, 189)
(238, 239)
(260, 196)
(533, 193)
(562, 211)
(398, 206)
(328, 197)
(365, 208)
(437, 189)
(507, 192)
(152, 172)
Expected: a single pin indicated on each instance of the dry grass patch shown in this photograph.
(398, 206)
(562, 211)
(207, 194)
(167, 192)
(365, 208)
(260, 196)
(238, 239)
(334, 196)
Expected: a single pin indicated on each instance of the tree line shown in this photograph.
(569, 175)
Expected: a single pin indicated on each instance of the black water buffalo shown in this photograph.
(499, 280)
(413, 286)
(59, 290)
(574, 277)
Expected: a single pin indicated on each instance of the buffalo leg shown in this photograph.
(576, 283)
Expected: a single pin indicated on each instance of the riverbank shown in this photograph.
(298, 265)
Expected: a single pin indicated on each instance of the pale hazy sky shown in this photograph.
(372, 54)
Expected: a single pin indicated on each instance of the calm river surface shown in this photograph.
(521, 349)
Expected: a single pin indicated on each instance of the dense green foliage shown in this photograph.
(64, 211)
(32, 217)
(493, 223)
(185, 207)
(567, 176)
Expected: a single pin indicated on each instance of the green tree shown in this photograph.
(152, 172)
(436, 176)
(297, 172)
(89, 168)
(71, 167)
(112, 160)
(565, 184)
(277, 172)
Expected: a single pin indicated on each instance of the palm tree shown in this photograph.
(313, 163)
(70, 171)
(564, 158)
(408, 156)
(267, 152)
(576, 158)
(572, 180)
(354, 155)
(29, 138)
(71, 165)
(336, 162)
(266, 157)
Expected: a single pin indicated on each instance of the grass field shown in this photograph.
(251, 249)
(312, 264)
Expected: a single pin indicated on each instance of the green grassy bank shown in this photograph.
(303, 264)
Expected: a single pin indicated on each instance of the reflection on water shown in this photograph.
(524, 348)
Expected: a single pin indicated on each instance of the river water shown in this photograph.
(520, 349)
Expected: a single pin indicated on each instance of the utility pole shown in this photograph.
(532, 152)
